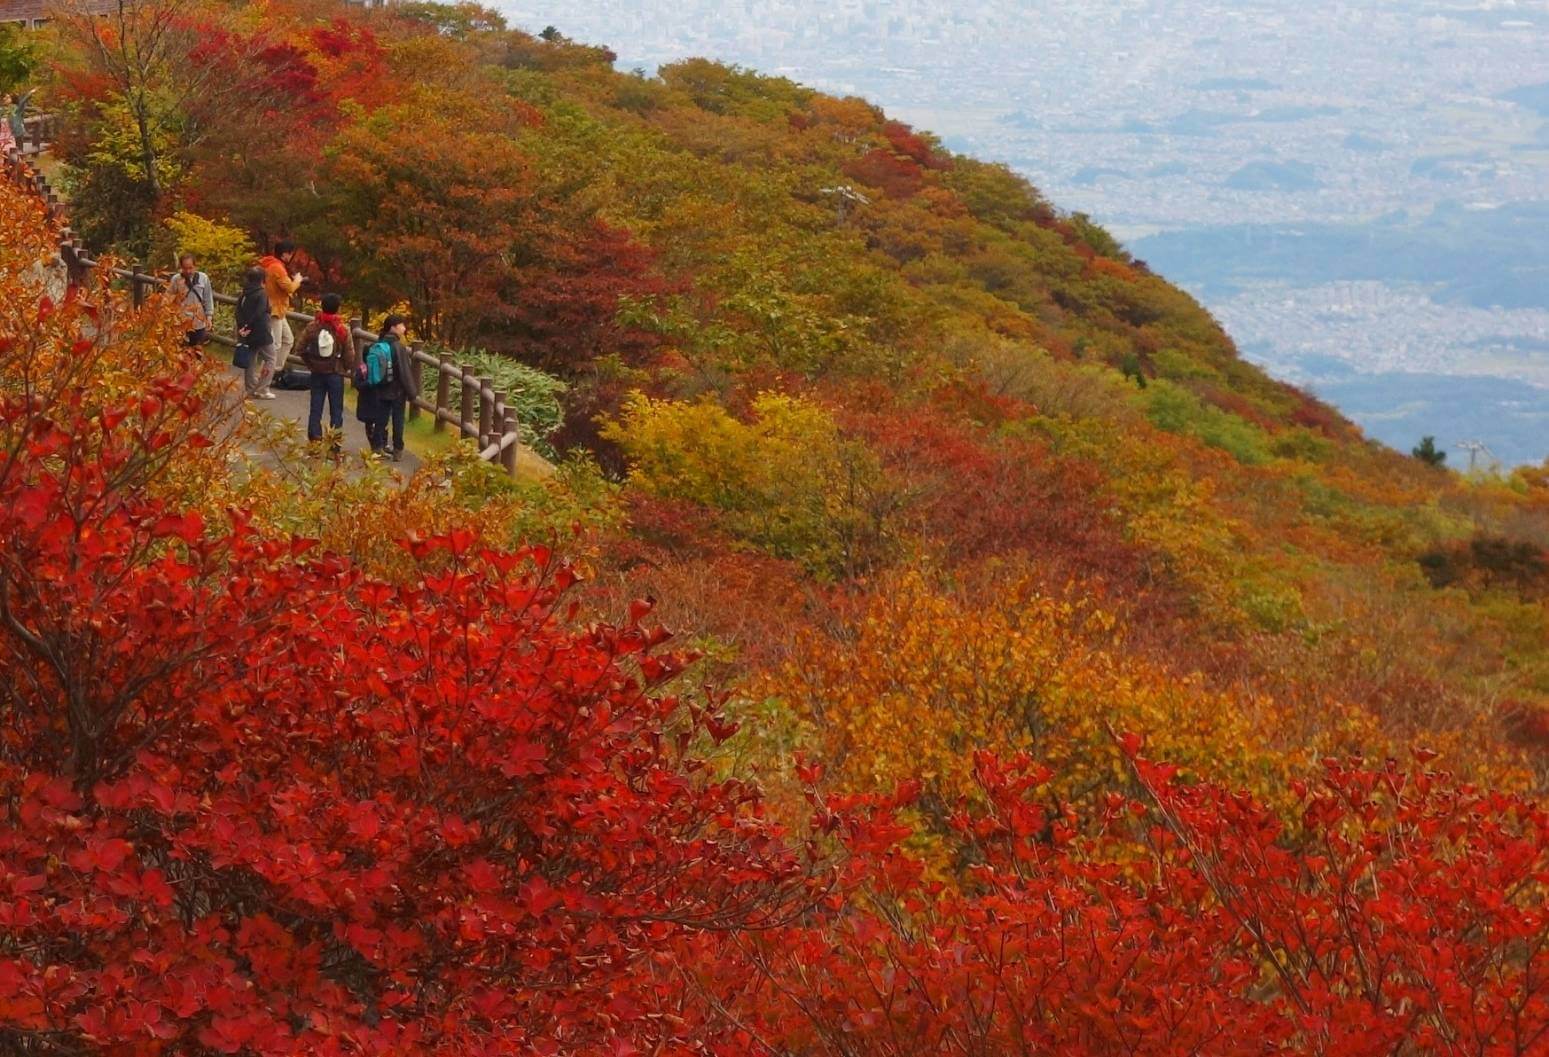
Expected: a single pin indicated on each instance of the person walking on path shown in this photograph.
(195, 299)
(389, 385)
(329, 353)
(280, 284)
(254, 331)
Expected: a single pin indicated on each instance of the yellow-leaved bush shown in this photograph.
(222, 251)
(920, 677)
(786, 482)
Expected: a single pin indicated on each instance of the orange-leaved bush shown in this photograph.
(916, 677)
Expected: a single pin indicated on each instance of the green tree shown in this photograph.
(1131, 367)
(141, 51)
(18, 57)
(459, 20)
(1427, 452)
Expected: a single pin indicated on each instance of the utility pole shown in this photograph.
(1476, 448)
(844, 196)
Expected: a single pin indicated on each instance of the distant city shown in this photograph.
(1357, 189)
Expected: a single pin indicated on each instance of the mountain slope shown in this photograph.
(866, 400)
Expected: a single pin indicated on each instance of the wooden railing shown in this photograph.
(483, 413)
(37, 133)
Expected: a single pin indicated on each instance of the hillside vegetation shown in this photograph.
(923, 464)
(394, 793)
(933, 638)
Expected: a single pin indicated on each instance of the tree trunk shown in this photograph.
(147, 151)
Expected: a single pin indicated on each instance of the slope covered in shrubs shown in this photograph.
(279, 780)
(815, 367)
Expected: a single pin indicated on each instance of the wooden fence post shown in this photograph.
(466, 423)
(136, 291)
(356, 323)
(443, 391)
(508, 454)
(497, 415)
(486, 412)
(417, 372)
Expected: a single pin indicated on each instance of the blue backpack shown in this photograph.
(375, 367)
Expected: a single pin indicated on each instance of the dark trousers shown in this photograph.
(376, 427)
(330, 388)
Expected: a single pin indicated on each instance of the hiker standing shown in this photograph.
(7, 131)
(280, 284)
(329, 354)
(255, 332)
(14, 113)
(195, 299)
(386, 384)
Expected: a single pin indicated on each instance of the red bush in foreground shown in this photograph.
(254, 802)
(1403, 916)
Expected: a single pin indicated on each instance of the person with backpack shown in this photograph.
(194, 297)
(385, 381)
(329, 354)
(255, 335)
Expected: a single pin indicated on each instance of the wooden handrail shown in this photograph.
(493, 407)
(493, 411)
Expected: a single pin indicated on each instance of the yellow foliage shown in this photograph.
(1172, 513)
(223, 252)
(786, 481)
(923, 678)
(364, 511)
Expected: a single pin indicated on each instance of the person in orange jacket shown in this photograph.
(280, 284)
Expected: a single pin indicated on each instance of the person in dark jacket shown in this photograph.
(254, 331)
(329, 354)
(384, 403)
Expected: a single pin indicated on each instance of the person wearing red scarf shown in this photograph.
(329, 353)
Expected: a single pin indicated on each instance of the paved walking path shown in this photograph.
(291, 406)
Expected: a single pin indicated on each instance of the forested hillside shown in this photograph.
(1041, 677)
(923, 463)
